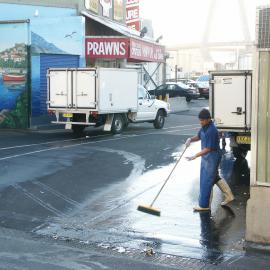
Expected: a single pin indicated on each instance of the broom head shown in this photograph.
(149, 210)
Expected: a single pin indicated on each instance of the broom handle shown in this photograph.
(168, 177)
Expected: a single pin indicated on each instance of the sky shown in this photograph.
(184, 21)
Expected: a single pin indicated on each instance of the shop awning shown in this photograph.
(131, 46)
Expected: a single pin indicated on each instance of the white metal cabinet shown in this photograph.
(230, 99)
(84, 89)
(59, 83)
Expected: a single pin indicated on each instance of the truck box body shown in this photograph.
(230, 100)
(102, 90)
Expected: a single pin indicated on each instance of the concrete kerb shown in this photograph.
(178, 104)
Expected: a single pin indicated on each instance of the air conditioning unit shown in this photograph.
(263, 28)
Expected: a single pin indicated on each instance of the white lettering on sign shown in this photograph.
(106, 48)
(146, 51)
(132, 14)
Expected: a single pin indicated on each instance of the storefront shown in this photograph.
(111, 44)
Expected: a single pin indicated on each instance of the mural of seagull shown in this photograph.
(70, 35)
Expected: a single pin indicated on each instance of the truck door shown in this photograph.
(146, 108)
(84, 89)
(231, 100)
(59, 85)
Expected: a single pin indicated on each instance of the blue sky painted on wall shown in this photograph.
(67, 34)
(8, 40)
(23, 12)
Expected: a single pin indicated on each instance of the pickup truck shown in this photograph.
(101, 96)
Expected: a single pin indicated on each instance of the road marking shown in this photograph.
(45, 143)
(39, 201)
(121, 137)
(56, 193)
(78, 139)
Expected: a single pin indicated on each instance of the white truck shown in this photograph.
(230, 107)
(101, 96)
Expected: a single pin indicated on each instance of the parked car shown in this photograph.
(203, 86)
(176, 90)
(188, 82)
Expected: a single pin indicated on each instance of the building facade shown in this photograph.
(36, 35)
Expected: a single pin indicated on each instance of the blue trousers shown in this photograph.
(209, 170)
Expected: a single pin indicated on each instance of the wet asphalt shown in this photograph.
(86, 190)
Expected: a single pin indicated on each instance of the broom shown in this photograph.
(149, 209)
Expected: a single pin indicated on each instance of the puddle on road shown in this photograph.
(113, 218)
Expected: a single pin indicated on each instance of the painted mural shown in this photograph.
(55, 32)
(67, 38)
(14, 109)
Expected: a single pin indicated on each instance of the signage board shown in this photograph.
(133, 14)
(92, 5)
(118, 10)
(106, 7)
(145, 51)
(107, 47)
(123, 48)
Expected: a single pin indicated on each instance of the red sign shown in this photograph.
(106, 47)
(132, 2)
(124, 48)
(145, 51)
(133, 14)
(134, 25)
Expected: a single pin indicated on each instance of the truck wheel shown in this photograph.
(160, 120)
(118, 124)
(78, 130)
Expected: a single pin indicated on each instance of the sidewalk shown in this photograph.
(19, 250)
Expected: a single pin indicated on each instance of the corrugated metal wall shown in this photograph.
(53, 61)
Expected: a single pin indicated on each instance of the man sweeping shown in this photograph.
(210, 159)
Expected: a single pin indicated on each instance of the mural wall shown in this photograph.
(67, 38)
(14, 88)
(51, 31)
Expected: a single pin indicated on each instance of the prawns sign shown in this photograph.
(107, 47)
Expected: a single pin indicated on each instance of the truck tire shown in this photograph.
(118, 124)
(160, 120)
(78, 130)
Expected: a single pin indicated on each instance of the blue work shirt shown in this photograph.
(209, 137)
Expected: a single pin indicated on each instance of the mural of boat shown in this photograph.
(13, 77)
